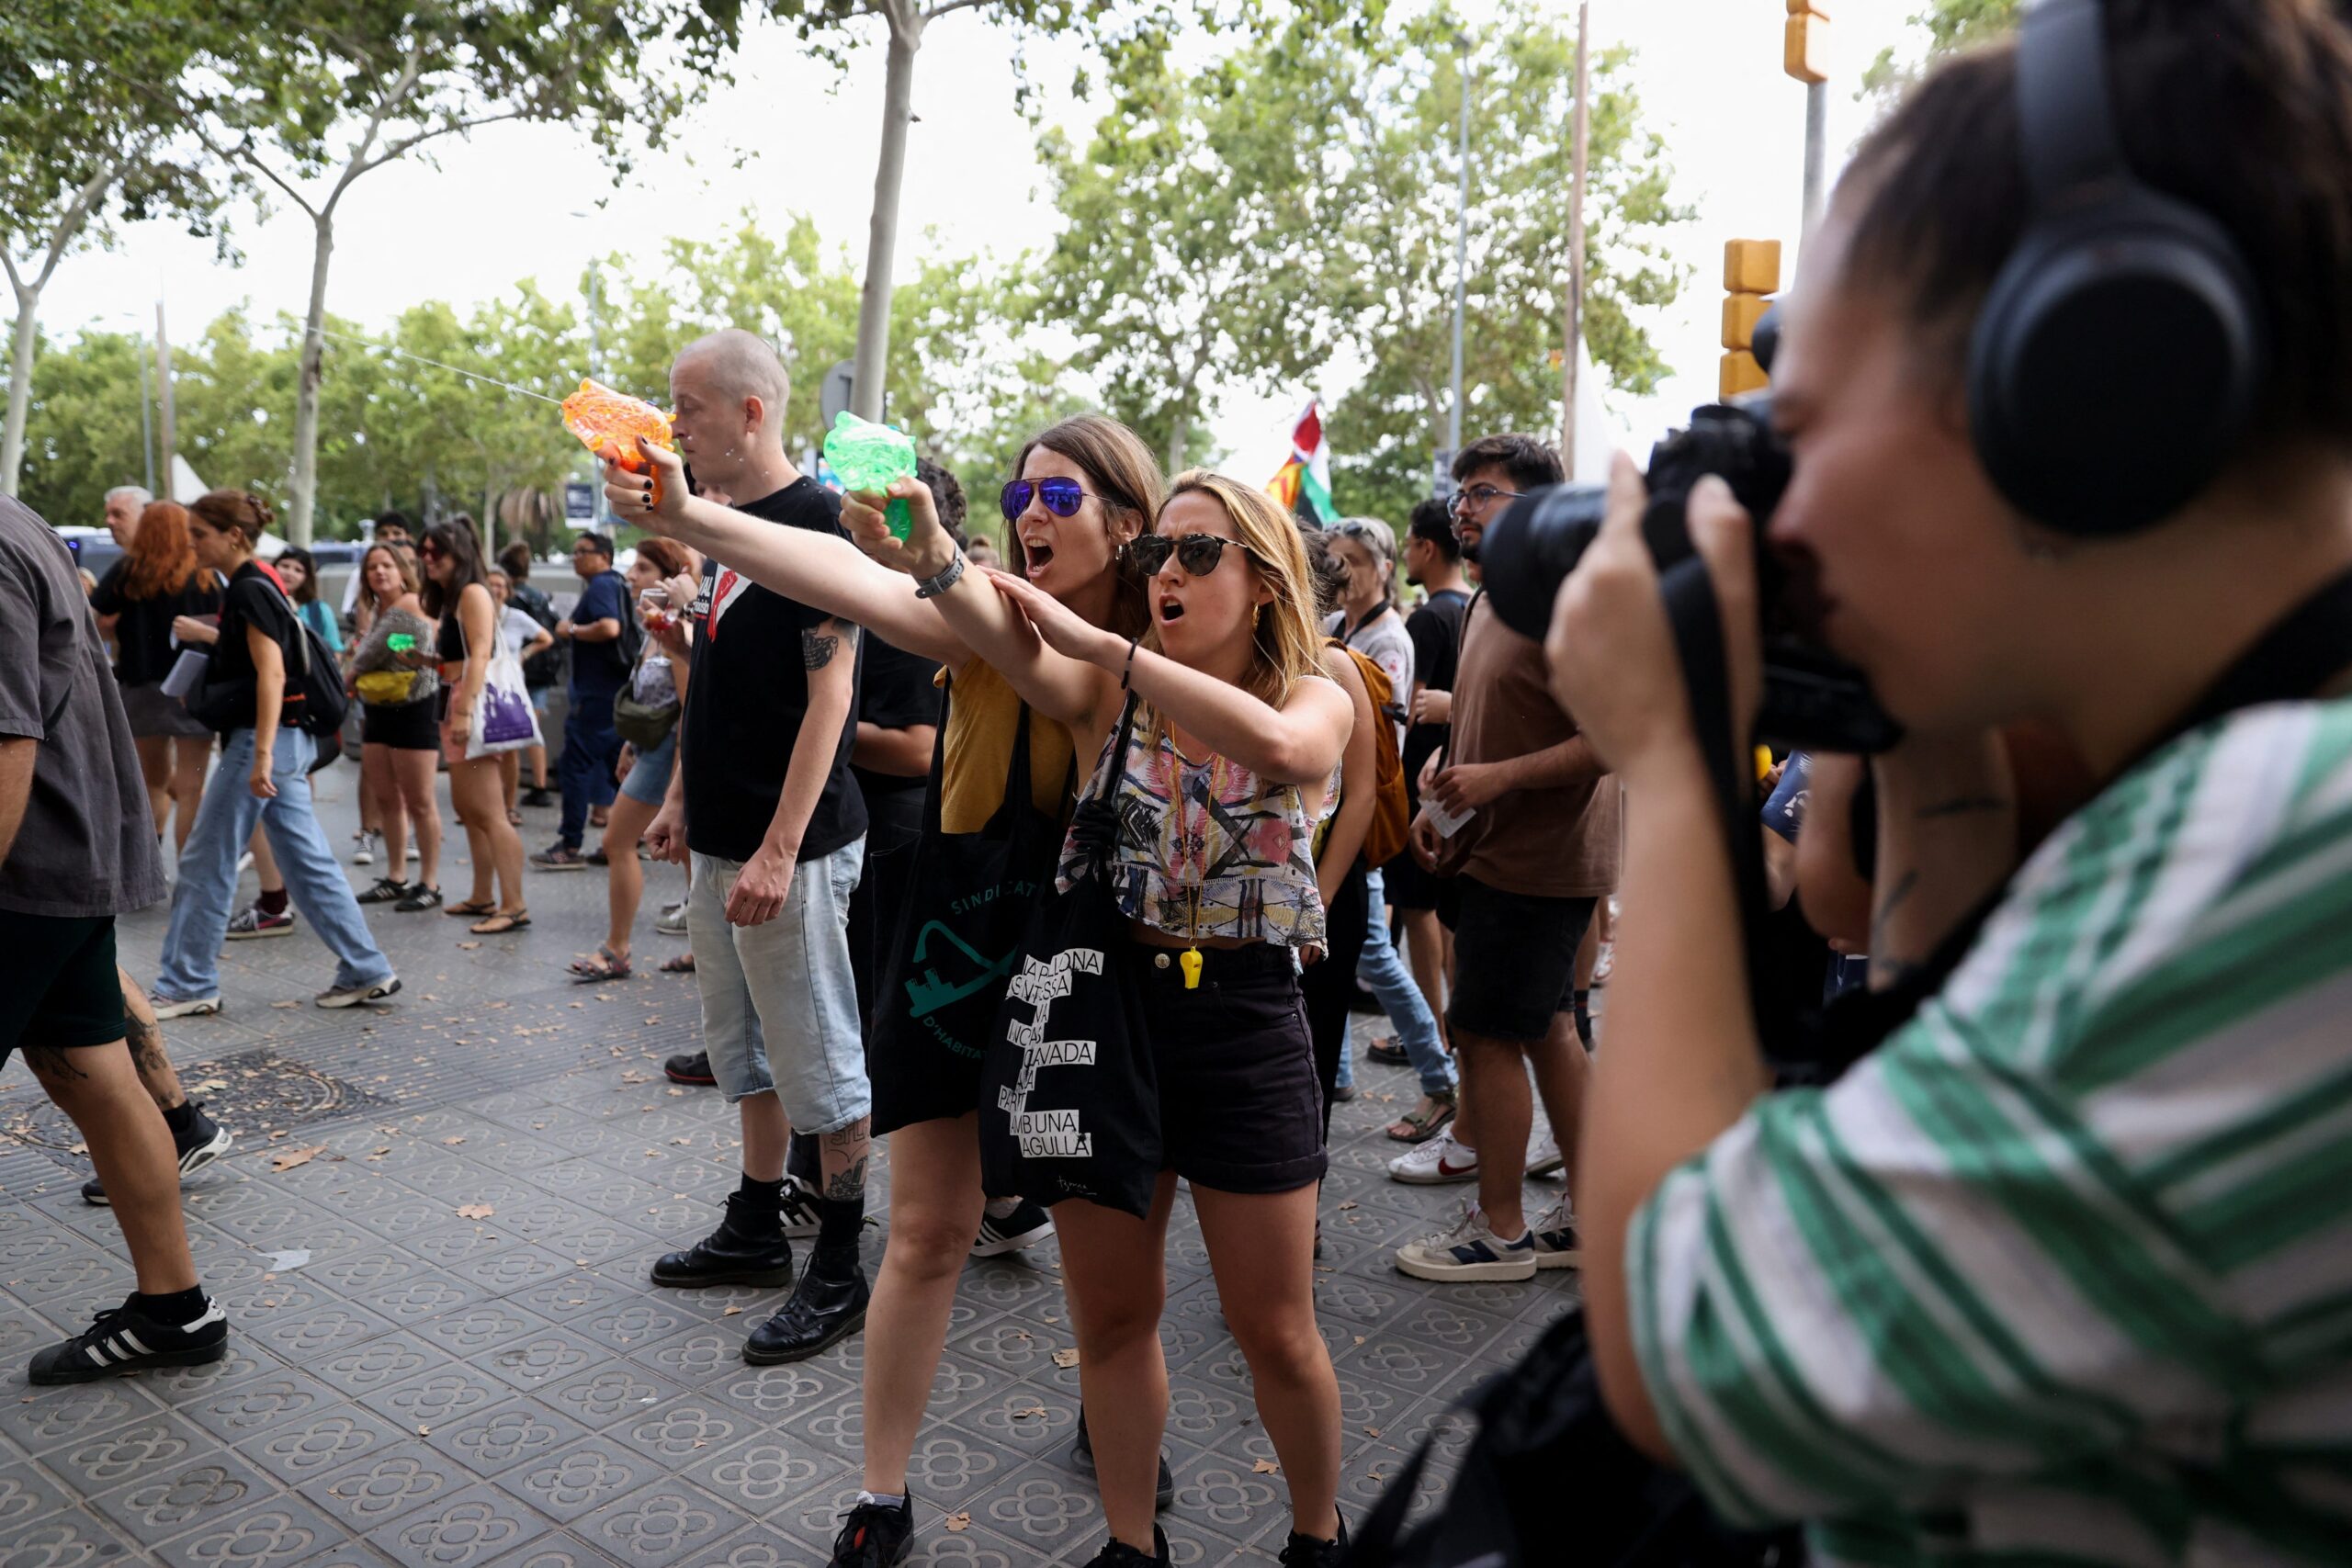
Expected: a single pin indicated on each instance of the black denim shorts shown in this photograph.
(1240, 1108)
(63, 990)
(1514, 960)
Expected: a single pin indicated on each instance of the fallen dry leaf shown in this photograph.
(1266, 1467)
(1371, 1431)
(287, 1159)
(469, 946)
(454, 1141)
(1346, 1206)
(286, 1004)
(476, 1212)
(959, 1521)
(730, 1312)
(1029, 1412)
(425, 1431)
(1066, 1357)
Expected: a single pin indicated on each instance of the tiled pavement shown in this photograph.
(407, 1385)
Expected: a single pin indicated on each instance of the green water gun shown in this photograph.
(402, 642)
(869, 456)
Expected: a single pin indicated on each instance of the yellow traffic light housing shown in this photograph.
(1751, 272)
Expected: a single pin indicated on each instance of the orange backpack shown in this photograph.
(1392, 812)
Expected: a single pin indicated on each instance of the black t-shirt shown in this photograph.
(254, 597)
(1436, 631)
(896, 690)
(748, 697)
(142, 637)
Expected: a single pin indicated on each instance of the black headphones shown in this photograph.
(2117, 361)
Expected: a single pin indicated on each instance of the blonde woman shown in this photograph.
(1228, 769)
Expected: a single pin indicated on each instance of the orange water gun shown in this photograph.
(604, 418)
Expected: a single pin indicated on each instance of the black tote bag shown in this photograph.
(954, 941)
(1071, 1102)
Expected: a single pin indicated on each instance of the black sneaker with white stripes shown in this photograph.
(197, 1145)
(801, 1215)
(125, 1339)
(1027, 1224)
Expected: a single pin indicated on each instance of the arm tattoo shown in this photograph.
(1964, 806)
(818, 647)
(1894, 900)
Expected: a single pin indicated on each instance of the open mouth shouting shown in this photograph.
(1036, 554)
(1168, 608)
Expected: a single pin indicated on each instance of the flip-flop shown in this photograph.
(678, 963)
(490, 927)
(605, 965)
(469, 910)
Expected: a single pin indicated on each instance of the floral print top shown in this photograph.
(1205, 848)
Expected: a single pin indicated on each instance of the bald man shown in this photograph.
(763, 803)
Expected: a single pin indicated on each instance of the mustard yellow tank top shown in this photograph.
(983, 715)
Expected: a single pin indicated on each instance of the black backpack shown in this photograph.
(545, 668)
(315, 702)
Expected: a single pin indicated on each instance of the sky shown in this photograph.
(528, 201)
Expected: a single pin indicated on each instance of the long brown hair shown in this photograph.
(401, 563)
(1125, 477)
(239, 509)
(160, 560)
(1286, 644)
(668, 555)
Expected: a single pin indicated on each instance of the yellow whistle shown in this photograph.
(1190, 959)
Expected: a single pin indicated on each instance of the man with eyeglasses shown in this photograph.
(1533, 851)
(600, 661)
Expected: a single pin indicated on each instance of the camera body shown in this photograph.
(1813, 700)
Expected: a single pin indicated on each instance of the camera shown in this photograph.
(1812, 699)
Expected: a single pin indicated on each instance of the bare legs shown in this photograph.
(497, 849)
(1494, 1079)
(99, 1087)
(935, 1204)
(1261, 1251)
(173, 767)
(412, 773)
(380, 789)
(625, 873)
(145, 1037)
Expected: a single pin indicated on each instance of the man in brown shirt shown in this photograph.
(1537, 852)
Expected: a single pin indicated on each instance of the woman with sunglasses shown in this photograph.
(1237, 732)
(1085, 487)
(456, 594)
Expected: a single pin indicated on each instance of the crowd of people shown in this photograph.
(1063, 867)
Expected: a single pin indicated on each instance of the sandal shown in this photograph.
(513, 817)
(603, 964)
(470, 910)
(1425, 1120)
(679, 963)
(500, 924)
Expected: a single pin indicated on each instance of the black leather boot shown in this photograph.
(828, 1307)
(741, 1251)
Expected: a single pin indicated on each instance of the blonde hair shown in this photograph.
(1286, 643)
(401, 563)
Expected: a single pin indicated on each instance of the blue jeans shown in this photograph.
(208, 872)
(1383, 968)
(592, 749)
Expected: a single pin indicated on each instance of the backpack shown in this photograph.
(315, 702)
(1392, 811)
(545, 668)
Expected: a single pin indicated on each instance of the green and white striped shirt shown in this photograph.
(2062, 1274)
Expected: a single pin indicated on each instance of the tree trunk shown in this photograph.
(306, 390)
(20, 390)
(882, 234)
(1179, 434)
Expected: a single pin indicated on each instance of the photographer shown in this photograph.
(2058, 1273)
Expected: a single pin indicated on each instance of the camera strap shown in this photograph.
(1696, 618)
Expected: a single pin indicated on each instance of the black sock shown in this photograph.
(803, 1160)
(271, 903)
(763, 1202)
(838, 1223)
(179, 1308)
(181, 1118)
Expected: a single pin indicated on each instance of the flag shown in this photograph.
(1303, 484)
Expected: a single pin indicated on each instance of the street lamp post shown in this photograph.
(1461, 250)
(1572, 350)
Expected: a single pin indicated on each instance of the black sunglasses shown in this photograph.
(1198, 554)
(1062, 497)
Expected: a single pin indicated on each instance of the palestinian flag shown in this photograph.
(1303, 484)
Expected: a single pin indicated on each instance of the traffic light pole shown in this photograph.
(1573, 347)
(1816, 149)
